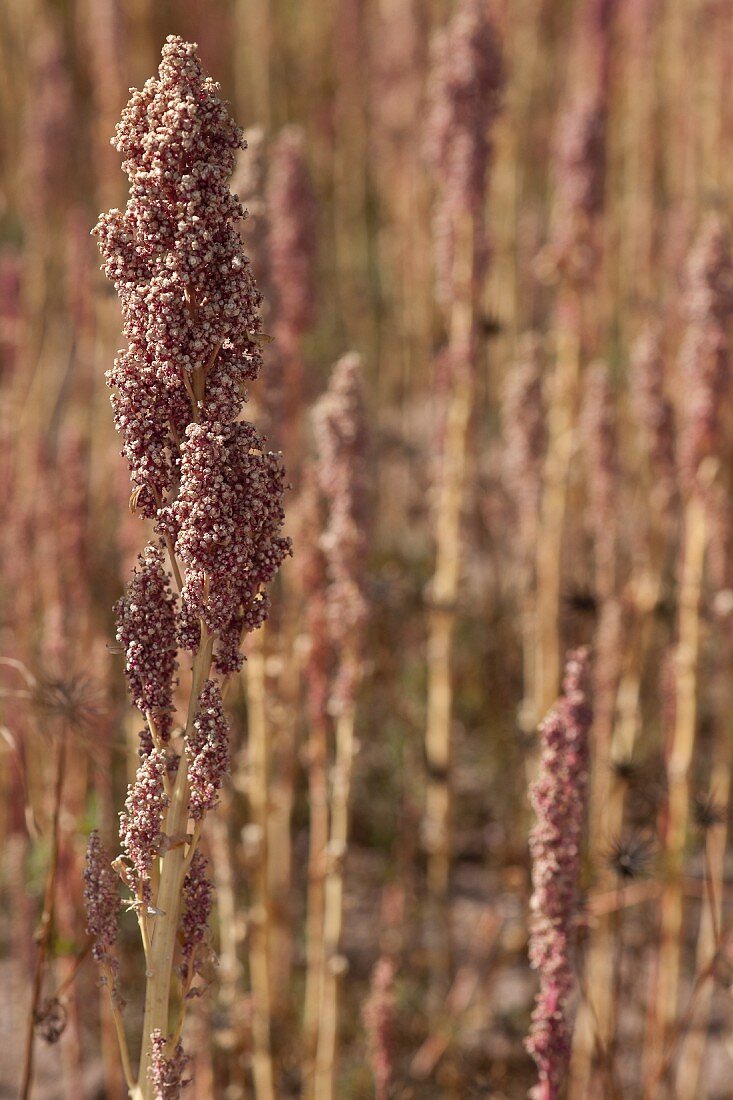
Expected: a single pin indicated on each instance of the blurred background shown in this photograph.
(581, 521)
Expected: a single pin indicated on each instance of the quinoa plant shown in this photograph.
(213, 495)
(559, 797)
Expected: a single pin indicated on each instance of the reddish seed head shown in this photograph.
(339, 420)
(559, 799)
(600, 441)
(291, 209)
(228, 514)
(146, 627)
(705, 352)
(197, 903)
(654, 412)
(465, 89)
(141, 821)
(525, 437)
(207, 749)
(378, 1016)
(102, 901)
(175, 257)
(166, 1072)
(191, 317)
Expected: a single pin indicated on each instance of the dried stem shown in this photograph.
(258, 753)
(564, 396)
(332, 963)
(45, 928)
(678, 765)
(318, 805)
(442, 621)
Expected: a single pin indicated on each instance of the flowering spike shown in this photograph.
(466, 84)
(654, 412)
(102, 902)
(174, 254)
(146, 627)
(600, 439)
(705, 352)
(525, 436)
(207, 749)
(340, 427)
(228, 513)
(141, 820)
(559, 800)
(292, 214)
(197, 903)
(166, 1073)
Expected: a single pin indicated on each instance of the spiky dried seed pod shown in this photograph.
(629, 856)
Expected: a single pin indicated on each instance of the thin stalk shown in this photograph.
(682, 1024)
(442, 620)
(561, 432)
(121, 1038)
(326, 1052)
(689, 1080)
(226, 901)
(282, 791)
(258, 754)
(318, 805)
(45, 929)
(679, 757)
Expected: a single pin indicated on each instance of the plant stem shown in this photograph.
(678, 765)
(121, 1038)
(333, 907)
(561, 431)
(442, 620)
(45, 929)
(258, 751)
(318, 804)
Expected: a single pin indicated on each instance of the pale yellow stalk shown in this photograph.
(332, 962)
(318, 806)
(561, 441)
(258, 755)
(679, 757)
(442, 620)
